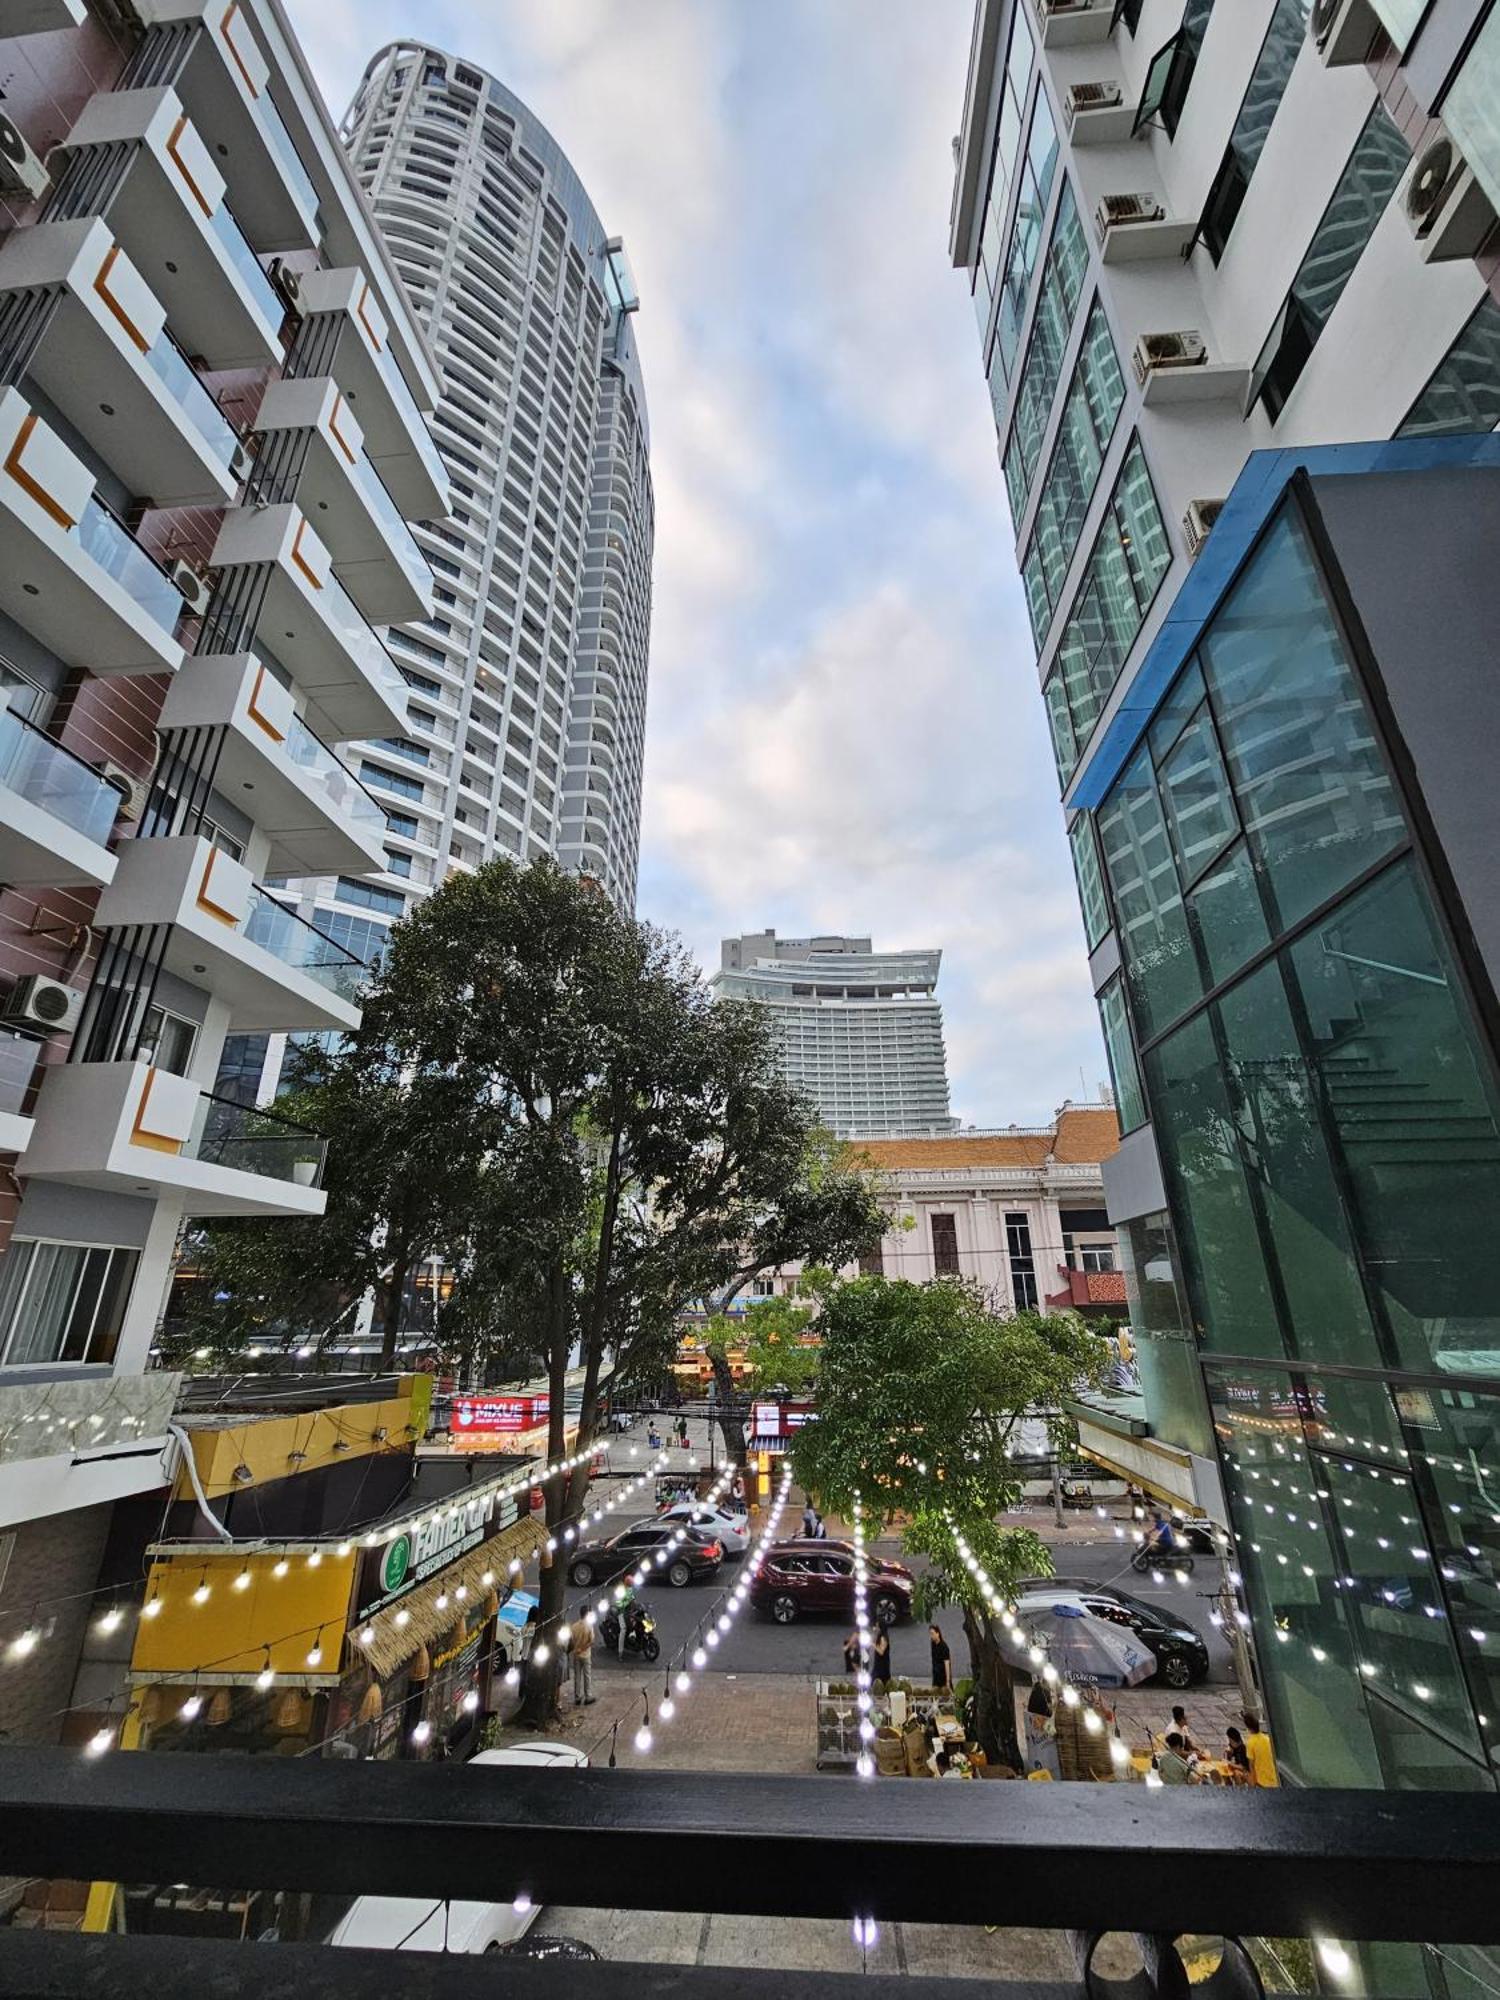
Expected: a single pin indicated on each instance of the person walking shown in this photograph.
(583, 1659)
(942, 1658)
(682, 1432)
(880, 1659)
(1258, 1750)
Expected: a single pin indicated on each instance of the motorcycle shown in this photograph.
(640, 1634)
(1149, 1557)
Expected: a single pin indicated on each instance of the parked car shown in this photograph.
(808, 1576)
(733, 1530)
(545, 1945)
(699, 1554)
(1181, 1655)
(421, 1923)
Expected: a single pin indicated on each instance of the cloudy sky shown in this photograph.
(844, 729)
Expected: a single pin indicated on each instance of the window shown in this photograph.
(400, 746)
(363, 936)
(63, 1301)
(1035, 186)
(420, 682)
(1247, 138)
(1091, 896)
(1118, 1046)
(1165, 89)
(241, 1065)
(1017, 82)
(368, 896)
(1129, 560)
(392, 781)
(397, 863)
(1464, 392)
(1022, 1266)
(1062, 285)
(402, 823)
(1088, 421)
(762, 1288)
(167, 1041)
(1471, 109)
(872, 1260)
(944, 1245)
(1127, 12)
(1369, 179)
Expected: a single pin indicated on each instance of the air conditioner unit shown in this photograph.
(132, 789)
(1090, 97)
(1342, 30)
(20, 169)
(288, 283)
(1154, 351)
(1198, 521)
(41, 1002)
(196, 590)
(1449, 212)
(241, 463)
(1117, 209)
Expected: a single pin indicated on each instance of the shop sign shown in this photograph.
(779, 1420)
(419, 1552)
(500, 1413)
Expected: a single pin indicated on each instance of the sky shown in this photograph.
(844, 730)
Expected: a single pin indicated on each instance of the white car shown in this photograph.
(732, 1529)
(416, 1923)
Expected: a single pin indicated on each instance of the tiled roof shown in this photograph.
(1079, 1137)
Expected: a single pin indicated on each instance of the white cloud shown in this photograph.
(844, 727)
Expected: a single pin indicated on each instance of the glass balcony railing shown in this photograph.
(229, 1134)
(333, 779)
(301, 946)
(245, 261)
(44, 774)
(285, 149)
(386, 511)
(406, 403)
(19, 1056)
(346, 618)
(171, 367)
(139, 575)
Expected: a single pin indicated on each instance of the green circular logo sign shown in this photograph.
(395, 1563)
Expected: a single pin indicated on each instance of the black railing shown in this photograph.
(1354, 1866)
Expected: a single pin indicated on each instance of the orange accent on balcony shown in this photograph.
(101, 286)
(27, 483)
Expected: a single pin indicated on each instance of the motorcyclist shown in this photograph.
(1161, 1538)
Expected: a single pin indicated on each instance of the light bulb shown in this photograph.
(422, 1731)
(712, 1638)
(202, 1594)
(403, 1618)
(367, 1636)
(864, 1764)
(522, 1904)
(99, 1742)
(315, 1559)
(151, 1608)
(190, 1707)
(242, 1581)
(867, 1731)
(564, 1634)
(470, 1701)
(1154, 1780)
(265, 1678)
(725, 1621)
(1091, 1722)
(315, 1656)
(1336, 1960)
(666, 1708)
(643, 1739)
(683, 1682)
(112, 1619)
(541, 1655)
(280, 1569)
(512, 1677)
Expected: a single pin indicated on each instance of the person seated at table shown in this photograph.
(1236, 1756)
(1180, 1724)
(1172, 1764)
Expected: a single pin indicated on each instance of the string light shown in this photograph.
(101, 1740)
(111, 1621)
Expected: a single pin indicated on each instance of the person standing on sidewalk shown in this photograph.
(583, 1659)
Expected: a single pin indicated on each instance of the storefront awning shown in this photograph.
(428, 1620)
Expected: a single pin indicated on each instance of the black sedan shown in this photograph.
(651, 1544)
(1181, 1655)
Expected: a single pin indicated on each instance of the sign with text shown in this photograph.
(420, 1551)
(477, 1414)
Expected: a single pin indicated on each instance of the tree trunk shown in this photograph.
(994, 1697)
(733, 1408)
(390, 1311)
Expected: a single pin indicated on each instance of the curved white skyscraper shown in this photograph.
(529, 679)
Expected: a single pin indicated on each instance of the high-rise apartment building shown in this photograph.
(525, 730)
(861, 1030)
(1234, 268)
(211, 439)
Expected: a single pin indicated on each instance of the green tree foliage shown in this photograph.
(920, 1391)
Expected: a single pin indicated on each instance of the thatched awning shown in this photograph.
(426, 1624)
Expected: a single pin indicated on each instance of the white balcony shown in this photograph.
(308, 621)
(1071, 24)
(39, 17)
(70, 573)
(20, 1060)
(230, 937)
(397, 438)
(225, 90)
(339, 490)
(171, 218)
(320, 818)
(110, 365)
(136, 1129)
(56, 812)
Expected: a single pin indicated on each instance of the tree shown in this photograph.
(826, 1216)
(636, 1136)
(920, 1389)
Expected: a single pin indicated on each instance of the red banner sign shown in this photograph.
(499, 1413)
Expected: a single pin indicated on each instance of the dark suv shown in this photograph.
(804, 1576)
(699, 1554)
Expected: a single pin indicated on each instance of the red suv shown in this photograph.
(802, 1576)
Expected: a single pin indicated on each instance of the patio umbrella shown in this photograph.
(1092, 1650)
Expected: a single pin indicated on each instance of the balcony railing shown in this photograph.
(333, 778)
(121, 556)
(229, 1134)
(285, 149)
(300, 945)
(65, 1407)
(384, 507)
(1086, 1860)
(406, 403)
(44, 774)
(171, 367)
(346, 617)
(19, 1057)
(245, 261)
